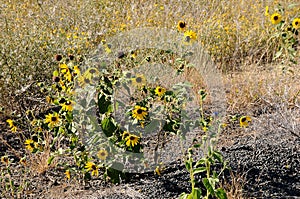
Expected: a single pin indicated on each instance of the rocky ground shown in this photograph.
(264, 160)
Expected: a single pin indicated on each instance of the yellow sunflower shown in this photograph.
(90, 166)
(52, 119)
(10, 123)
(67, 106)
(267, 11)
(30, 145)
(190, 36)
(159, 91)
(139, 113)
(244, 121)
(181, 25)
(276, 18)
(125, 135)
(76, 71)
(5, 160)
(132, 140)
(64, 68)
(68, 174)
(296, 23)
(102, 154)
(139, 80)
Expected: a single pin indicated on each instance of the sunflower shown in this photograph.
(125, 135)
(139, 80)
(76, 71)
(159, 91)
(90, 166)
(5, 160)
(296, 23)
(10, 123)
(244, 121)
(23, 161)
(132, 140)
(64, 68)
(181, 25)
(84, 80)
(68, 76)
(102, 154)
(190, 36)
(267, 11)
(68, 174)
(139, 112)
(67, 106)
(276, 18)
(52, 119)
(30, 145)
(14, 129)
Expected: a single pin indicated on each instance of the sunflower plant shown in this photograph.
(210, 159)
(286, 34)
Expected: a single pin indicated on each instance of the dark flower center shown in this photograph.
(182, 24)
(53, 119)
(139, 111)
(94, 167)
(275, 18)
(103, 154)
(87, 81)
(132, 138)
(296, 23)
(92, 71)
(138, 79)
(243, 119)
(159, 90)
(31, 144)
(56, 79)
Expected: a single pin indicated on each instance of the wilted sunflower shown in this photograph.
(139, 113)
(132, 140)
(190, 36)
(139, 80)
(159, 91)
(244, 121)
(102, 154)
(276, 18)
(90, 166)
(52, 119)
(296, 23)
(181, 25)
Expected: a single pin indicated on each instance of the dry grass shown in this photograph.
(236, 34)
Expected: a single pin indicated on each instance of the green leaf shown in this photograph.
(108, 126)
(208, 186)
(188, 165)
(220, 193)
(50, 160)
(218, 156)
(200, 170)
(183, 196)
(200, 162)
(196, 194)
(103, 104)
